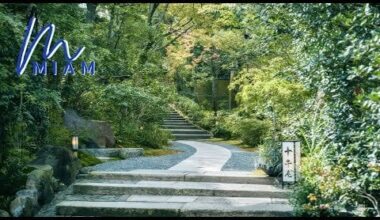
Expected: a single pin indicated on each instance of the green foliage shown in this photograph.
(32, 106)
(270, 151)
(87, 159)
(313, 71)
(190, 108)
(13, 175)
(220, 130)
(346, 71)
(152, 136)
(253, 131)
(133, 112)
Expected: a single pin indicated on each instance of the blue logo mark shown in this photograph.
(26, 52)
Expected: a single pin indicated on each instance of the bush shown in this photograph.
(152, 136)
(13, 175)
(190, 108)
(253, 131)
(270, 151)
(133, 112)
(208, 120)
(317, 197)
(221, 131)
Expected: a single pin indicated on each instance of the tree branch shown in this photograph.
(152, 9)
(178, 36)
(174, 31)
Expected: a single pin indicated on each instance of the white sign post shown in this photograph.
(291, 158)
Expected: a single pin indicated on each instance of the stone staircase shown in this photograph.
(181, 129)
(167, 193)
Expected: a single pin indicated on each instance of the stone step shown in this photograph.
(174, 113)
(178, 188)
(175, 117)
(175, 120)
(187, 131)
(176, 126)
(191, 136)
(176, 175)
(176, 123)
(179, 206)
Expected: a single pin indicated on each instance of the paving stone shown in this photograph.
(208, 157)
(180, 188)
(178, 206)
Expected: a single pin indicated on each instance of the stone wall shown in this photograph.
(40, 188)
(55, 168)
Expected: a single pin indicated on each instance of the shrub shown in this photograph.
(220, 130)
(253, 131)
(208, 120)
(13, 175)
(190, 108)
(133, 112)
(270, 152)
(152, 136)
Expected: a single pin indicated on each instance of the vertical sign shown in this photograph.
(291, 158)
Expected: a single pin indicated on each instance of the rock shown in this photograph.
(97, 134)
(4, 213)
(42, 180)
(130, 152)
(102, 133)
(102, 152)
(85, 170)
(25, 203)
(65, 165)
(114, 152)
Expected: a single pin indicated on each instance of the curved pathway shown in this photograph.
(208, 157)
(156, 162)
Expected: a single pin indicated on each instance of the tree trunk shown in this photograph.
(230, 92)
(214, 77)
(149, 44)
(214, 103)
(91, 12)
(110, 26)
(152, 9)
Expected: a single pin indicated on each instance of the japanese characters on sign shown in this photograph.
(291, 156)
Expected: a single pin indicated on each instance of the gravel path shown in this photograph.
(158, 162)
(240, 160)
